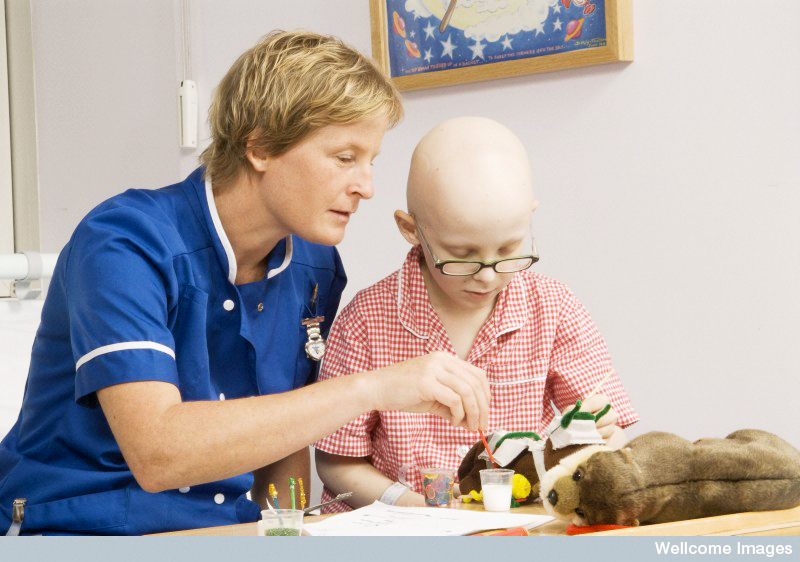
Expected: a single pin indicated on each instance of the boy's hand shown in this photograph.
(607, 425)
(437, 383)
(596, 403)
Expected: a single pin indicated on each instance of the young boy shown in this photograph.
(464, 289)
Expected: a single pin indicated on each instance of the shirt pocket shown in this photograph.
(98, 512)
(191, 349)
(517, 395)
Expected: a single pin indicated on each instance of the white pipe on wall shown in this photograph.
(20, 266)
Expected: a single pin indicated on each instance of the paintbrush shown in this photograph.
(338, 498)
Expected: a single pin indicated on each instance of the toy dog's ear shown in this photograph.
(470, 460)
(469, 470)
(627, 455)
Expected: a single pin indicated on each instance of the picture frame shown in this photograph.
(433, 43)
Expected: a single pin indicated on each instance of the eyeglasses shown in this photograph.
(471, 267)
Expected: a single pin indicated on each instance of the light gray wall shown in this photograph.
(670, 187)
(106, 114)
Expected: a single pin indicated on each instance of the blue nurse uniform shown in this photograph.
(144, 290)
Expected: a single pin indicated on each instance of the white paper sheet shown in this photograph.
(380, 519)
(19, 321)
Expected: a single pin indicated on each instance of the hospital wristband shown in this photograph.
(393, 493)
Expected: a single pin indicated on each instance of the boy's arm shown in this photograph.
(297, 465)
(349, 351)
(355, 474)
(581, 362)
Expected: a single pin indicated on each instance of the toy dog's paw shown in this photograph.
(473, 495)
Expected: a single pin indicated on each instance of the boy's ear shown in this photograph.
(407, 226)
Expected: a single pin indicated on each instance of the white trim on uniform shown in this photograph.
(223, 238)
(287, 259)
(122, 347)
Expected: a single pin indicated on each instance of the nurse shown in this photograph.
(171, 370)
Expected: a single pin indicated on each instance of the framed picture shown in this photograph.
(430, 43)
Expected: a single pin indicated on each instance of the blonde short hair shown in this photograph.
(285, 87)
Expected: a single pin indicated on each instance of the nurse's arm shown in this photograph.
(297, 465)
(170, 444)
(355, 474)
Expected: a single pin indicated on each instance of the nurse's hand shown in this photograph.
(437, 383)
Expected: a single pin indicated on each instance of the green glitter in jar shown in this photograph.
(282, 532)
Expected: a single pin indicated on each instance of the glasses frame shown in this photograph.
(440, 264)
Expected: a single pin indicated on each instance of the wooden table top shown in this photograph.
(761, 523)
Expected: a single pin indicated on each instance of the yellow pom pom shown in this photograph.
(520, 487)
(475, 495)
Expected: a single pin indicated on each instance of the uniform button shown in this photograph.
(222, 396)
(228, 305)
(184, 490)
(260, 307)
(461, 451)
(219, 498)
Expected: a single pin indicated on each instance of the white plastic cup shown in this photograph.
(281, 523)
(496, 488)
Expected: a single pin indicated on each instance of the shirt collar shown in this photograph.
(414, 307)
(226, 244)
(513, 306)
(417, 315)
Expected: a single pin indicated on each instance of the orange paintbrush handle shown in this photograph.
(486, 446)
(584, 529)
(512, 532)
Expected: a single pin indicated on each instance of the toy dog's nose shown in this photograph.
(552, 497)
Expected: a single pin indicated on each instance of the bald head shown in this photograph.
(469, 171)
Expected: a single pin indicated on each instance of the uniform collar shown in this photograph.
(230, 258)
(417, 315)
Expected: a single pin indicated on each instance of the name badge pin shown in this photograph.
(315, 346)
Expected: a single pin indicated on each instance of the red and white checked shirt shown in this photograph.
(539, 345)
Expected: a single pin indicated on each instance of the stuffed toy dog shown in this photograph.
(515, 451)
(528, 455)
(660, 477)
